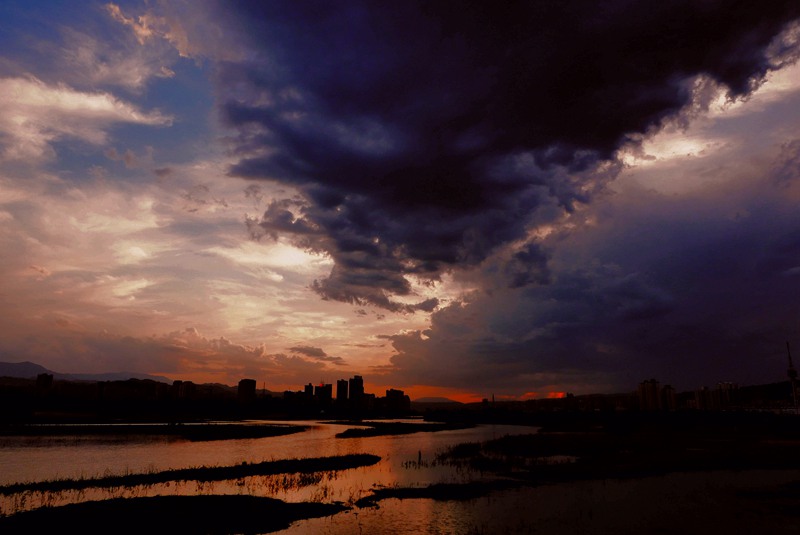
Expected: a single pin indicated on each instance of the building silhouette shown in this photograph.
(184, 390)
(43, 397)
(669, 398)
(341, 390)
(649, 395)
(654, 397)
(396, 400)
(246, 392)
(356, 385)
(323, 393)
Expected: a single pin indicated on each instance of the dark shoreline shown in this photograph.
(375, 429)
(215, 514)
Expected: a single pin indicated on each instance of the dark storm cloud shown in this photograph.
(693, 290)
(526, 267)
(423, 135)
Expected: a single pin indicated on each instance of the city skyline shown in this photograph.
(453, 200)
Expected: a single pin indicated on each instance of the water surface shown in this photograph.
(406, 460)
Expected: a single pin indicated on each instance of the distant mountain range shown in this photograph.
(29, 370)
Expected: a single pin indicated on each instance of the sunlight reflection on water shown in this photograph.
(38, 459)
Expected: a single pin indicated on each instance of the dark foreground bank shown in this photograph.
(168, 515)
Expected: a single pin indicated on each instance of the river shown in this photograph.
(740, 501)
(406, 461)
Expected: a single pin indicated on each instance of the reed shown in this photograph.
(202, 474)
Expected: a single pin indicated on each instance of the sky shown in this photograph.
(458, 199)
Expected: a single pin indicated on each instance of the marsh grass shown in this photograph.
(203, 473)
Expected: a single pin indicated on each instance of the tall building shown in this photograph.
(727, 393)
(356, 388)
(705, 400)
(649, 395)
(669, 398)
(324, 393)
(397, 400)
(341, 390)
(247, 390)
(184, 389)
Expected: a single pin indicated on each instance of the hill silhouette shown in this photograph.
(29, 370)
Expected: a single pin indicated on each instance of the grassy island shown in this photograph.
(214, 473)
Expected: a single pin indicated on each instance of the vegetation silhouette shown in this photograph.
(215, 514)
(614, 446)
(204, 474)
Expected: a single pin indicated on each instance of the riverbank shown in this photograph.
(212, 514)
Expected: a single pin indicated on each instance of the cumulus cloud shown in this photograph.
(33, 115)
(423, 137)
